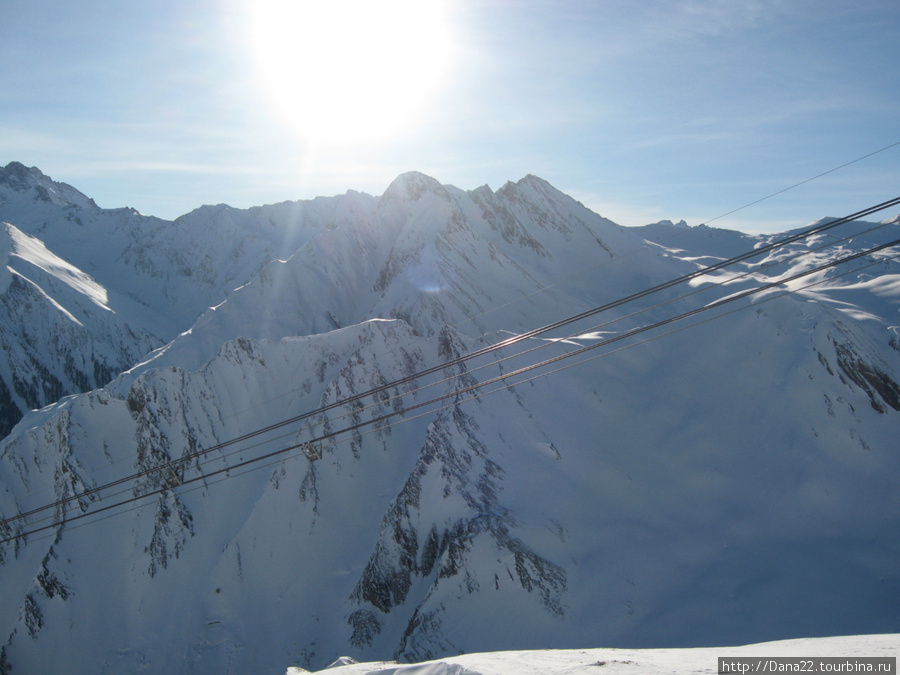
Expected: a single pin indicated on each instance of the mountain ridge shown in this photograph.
(727, 481)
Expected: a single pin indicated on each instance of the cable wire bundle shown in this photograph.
(175, 475)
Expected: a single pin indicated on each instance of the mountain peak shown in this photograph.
(532, 184)
(20, 177)
(534, 181)
(668, 223)
(22, 180)
(410, 187)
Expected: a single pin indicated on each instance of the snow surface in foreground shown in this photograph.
(633, 661)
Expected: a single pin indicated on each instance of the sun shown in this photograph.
(349, 71)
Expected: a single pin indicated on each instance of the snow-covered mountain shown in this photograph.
(725, 479)
(148, 279)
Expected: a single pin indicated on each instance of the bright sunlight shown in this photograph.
(350, 71)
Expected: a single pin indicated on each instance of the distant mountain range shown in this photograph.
(724, 478)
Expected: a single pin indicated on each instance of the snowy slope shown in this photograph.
(634, 661)
(58, 331)
(709, 482)
(701, 243)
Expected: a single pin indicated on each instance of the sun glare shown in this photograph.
(349, 71)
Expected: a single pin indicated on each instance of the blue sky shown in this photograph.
(641, 110)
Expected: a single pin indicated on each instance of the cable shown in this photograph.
(457, 393)
(550, 286)
(184, 460)
(483, 394)
(803, 182)
(472, 319)
(91, 491)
